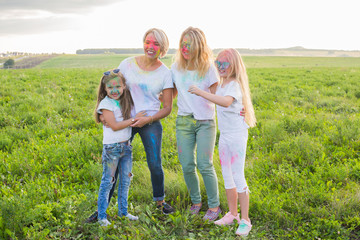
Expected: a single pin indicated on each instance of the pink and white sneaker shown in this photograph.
(244, 228)
(228, 219)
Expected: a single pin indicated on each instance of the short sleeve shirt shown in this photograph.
(109, 135)
(229, 119)
(191, 104)
(145, 86)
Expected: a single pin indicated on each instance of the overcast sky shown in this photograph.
(68, 25)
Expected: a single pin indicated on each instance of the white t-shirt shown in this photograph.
(191, 104)
(110, 136)
(229, 119)
(145, 86)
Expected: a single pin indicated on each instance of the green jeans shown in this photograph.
(199, 135)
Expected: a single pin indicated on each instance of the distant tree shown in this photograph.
(9, 63)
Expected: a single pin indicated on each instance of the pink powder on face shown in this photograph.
(152, 43)
(185, 47)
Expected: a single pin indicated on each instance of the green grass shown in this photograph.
(302, 166)
(113, 60)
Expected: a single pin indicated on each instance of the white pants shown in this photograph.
(232, 151)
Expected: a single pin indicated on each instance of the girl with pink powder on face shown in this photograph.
(232, 94)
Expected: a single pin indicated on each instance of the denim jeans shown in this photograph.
(117, 163)
(194, 134)
(151, 137)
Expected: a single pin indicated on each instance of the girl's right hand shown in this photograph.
(194, 90)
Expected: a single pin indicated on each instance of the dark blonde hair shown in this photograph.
(126, 101)
(161, 38)
(200, 53)
(237, 70)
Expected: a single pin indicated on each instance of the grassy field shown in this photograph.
(112, 61)
(303, 166)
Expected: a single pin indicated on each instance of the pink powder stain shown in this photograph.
(222, 157)
(233, 159)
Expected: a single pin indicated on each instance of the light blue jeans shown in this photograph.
(116, 158)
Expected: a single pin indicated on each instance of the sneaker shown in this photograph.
(228, 219)
(244, 228)
(211, 216)
(195, 209)
(104, 222)
(132, 217)
(166, 208)
(92, 218)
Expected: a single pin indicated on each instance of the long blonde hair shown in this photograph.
(237, 70)
(126, 101)
(200, 53)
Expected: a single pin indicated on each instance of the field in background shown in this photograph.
(113, 61)
(302, 166)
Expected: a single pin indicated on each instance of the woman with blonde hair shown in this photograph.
(195, 123)
(233, 93)
(146, 78)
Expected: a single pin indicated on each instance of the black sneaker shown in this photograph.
(93, 218)
(165, 208)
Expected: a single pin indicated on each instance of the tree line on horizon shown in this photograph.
(173, 50)
(300, 51)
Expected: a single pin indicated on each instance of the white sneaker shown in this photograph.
(132, 217)
(244, 228)
(104, 222)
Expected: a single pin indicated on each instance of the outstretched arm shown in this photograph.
(223, 101)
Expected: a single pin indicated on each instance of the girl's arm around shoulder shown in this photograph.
(223, 101)
(113, 124)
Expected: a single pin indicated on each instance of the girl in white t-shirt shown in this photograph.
(231, 96)
(195, 123)
(114, 102)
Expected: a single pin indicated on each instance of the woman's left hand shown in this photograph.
(141, 121)
(242, 112)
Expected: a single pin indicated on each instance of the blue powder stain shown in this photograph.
(153, 140)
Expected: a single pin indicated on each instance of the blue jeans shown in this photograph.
(151, 137)
(117, 162)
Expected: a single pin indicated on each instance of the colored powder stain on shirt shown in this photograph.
(144, 87)
(117, 103)
(234, 158)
